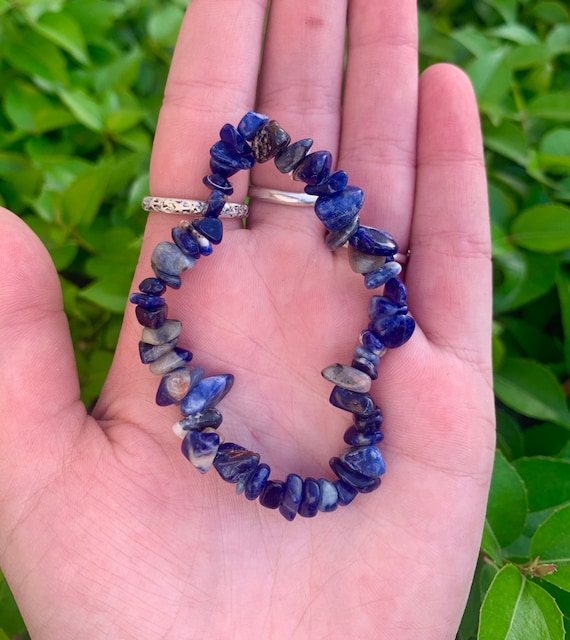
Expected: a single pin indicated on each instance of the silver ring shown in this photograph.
(291, 198)
(185, 207)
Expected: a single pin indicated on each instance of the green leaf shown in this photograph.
(164, 24)
(544, 228)
(547, 481)
(553, 12)
(563, 286)
(516, 33)
(123, 119)
(473, 40)
(36, 56)
(509, 140)
(528, 55)
(551, 543)
(108, 293)
(506, 8)
(84, 196)
(491, 545)
(490, 76)
(551, 106)
(555, 151)
(507, 506)
(63, 30)
(517, 609)
(509, 436)
(545, 439)
(83, 107)
(10, 617)
(531, 389)
(558, 39)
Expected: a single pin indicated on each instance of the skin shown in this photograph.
(106, 531)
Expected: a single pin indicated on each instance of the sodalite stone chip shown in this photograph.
(206, 394)
(186, 242)
(315, 168)
(272, 494)
(174, 282)
(201, 447)
(251, 123)
(289, 158)
(374, 242)
(168, 259)
(234, 463)
(268, 141)
(336, 239)
(335, 182)
(257, 481)
(210, 228)
(292, 495)
(370, 342)
(337, 210)
(383, 306)
(366, 460)
(329, 496)
(365, 423)
(346, 493)
(357, 438)
(209, 419)
(363, 262)
(173, 387)
(234, 140)
(358, 403)
(364, 365)
(347, 377)
(216, 203)
(147, 301)
(361, 352)
(170, 330)
(357, 480)
(309, 506)
(394, 331)
(380, 276)
(170, 361)
(219, 183)
(224, 160)
(152, 318)
(396, 291)
(152, 285)
(150, 352)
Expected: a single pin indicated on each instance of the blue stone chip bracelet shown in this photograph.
(370, 252)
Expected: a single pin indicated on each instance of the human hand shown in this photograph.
(106, 531)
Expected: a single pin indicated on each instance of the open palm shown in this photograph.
(106, 531)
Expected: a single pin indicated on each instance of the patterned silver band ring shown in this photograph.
(184, 207)
(291, 198)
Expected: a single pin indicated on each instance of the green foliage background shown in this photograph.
(81, 86)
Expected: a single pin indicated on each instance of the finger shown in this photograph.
(380, 110)
(449, 274)
(300, 85)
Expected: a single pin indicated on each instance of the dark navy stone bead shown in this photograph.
(366, 423)
(346, 493)
(394, 331)
(206, 394)
(366, 367)
(336, 239)
(210, 228)
(234, 463)
(272, 493)
(174, 282)
(309, 506)
(147, 301)
(153, 318)
(186, 242)
(150, 352)
(201, 447)
(370, 342)
(289, 158)
(292, 495)
(209, 419)
(268, 141)
(217, 182)
(226, 162)
(396, 291)
(167, 258)
(362, 483)
(216, 203)
(358, 403)
(251, 123)
(374, 242)
(329, 496)
(382, 306)
(361, 352)
(337, 211)
(366, 460)
(314, 168)
(233, 139)
(257, 481)
(152, 285)
(335, 182)
(357, 438)
(173, 387)
(380, 276)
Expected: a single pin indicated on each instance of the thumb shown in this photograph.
(40, 410)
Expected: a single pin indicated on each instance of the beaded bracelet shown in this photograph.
(371, 253)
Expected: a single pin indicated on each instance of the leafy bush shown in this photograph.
(82, 83)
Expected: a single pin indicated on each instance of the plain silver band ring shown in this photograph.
(184, 207)
(291, 198)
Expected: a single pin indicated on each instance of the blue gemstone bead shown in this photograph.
(170, 361)
(346, 493)
(186, 242)
(361, 352)
(234, 464)
(152, 285)
(292, 495)
(357, 480)
(329, 496)
(374, 242)
(380, 276)
(309, 506)
(173, 387)
(150, 352)
(174, 282)
(211, 228)
(288, 159)
(366, 423)
(336, 239)
(147, 300)
(370, 342)
(367, 460)
(336, 181)
(216, 203)
(394, 331)
(272, 493)
(234, 140)
(396, 291)
(206, 394)
(201, 447)
(383, 306)
(167, 258)
(153, 318)
(219, 183)
(211, 418)
(358, 403)
(364, 365)
(269, 141)
(357, 438)
(338, 210)
(170, 330)
(251, 123)
(226, 162)
(257, 481)
(314, 168)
